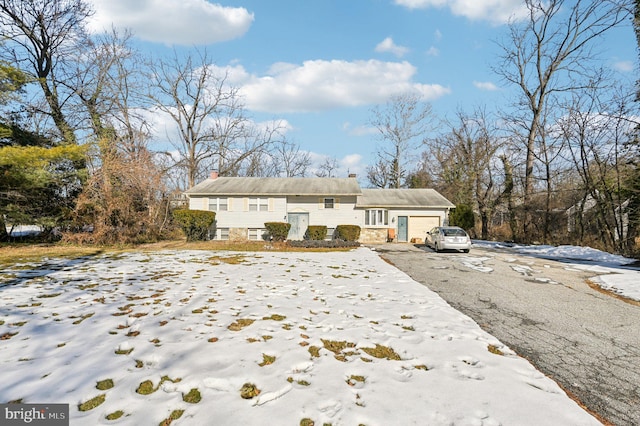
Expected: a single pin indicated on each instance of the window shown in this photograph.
(221, 234)
(376, 217)
(218, 204)
(329, 203)
(257, 234)
(258, 204)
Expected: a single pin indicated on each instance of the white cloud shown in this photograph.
(320, 85)
(387, 45)
(624, 66)
(182, 22)
(438, 35)
(494, 11)
(433, 51)
(359, 130)
(485, 85)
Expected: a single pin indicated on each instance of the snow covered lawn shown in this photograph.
(271, 338)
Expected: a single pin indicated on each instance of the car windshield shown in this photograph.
(453, 232)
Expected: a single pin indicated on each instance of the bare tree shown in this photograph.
(214, 131)
(289, 161)
(551, 54)
(469, 169)
(41, 37)
(402, 125)
(599, 150)
(328, 167)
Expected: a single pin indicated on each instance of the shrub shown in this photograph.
(348, 232)
(194, 223)
(278, 230)
(316, 232)
(462, 216)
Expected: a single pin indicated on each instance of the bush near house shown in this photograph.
(277, 230)
(316, 232)
(347, 232)
(463, 217)
(194, 223)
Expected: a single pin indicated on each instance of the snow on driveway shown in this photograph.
(224, 338)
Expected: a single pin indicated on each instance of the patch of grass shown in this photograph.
(7, 336)
(338, 348)
(267, 360)
(18, 253)
(353, 380)
(146, 388)
(193, 397)
(231, 260)
(240, 324)
(139, 363)
(494, 350)
(82, 318)
(307, 422)
(421, 367)
(123, 351)
(249, 390)
(175, 415)
(275, 317)
(115, 415)
(314, 351)
(92, 403)
(104, 384)
(46, 296)
(87, 286)
(382, 352)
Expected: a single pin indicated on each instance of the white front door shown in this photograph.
(299, 224)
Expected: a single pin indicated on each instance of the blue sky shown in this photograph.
(321, 65)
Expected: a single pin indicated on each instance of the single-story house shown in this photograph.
(244, 204)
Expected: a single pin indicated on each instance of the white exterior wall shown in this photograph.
(238, 215)
(343, 213)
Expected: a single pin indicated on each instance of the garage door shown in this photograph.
(419, 225)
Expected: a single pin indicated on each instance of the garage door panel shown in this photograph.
(419, 225)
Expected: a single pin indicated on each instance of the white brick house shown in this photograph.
(244, 204)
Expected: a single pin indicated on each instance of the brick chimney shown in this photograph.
(214, 174)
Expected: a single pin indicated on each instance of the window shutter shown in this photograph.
(229, 204)
(271, 205)
(320, 203)
(336, 203)
(246, 204)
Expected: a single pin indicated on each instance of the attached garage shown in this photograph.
(419, 225)
(401, 214)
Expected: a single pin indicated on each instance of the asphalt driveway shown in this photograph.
(587, 341)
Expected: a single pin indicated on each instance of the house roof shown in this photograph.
(277, 186)
(410, 198)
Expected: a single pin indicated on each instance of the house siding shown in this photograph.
(343, 213)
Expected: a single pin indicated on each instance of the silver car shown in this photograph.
(448, 238)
